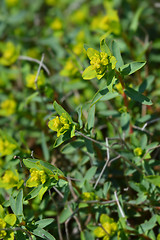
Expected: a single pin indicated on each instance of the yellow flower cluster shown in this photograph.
(50, 2)
(7, 107)
(6, 147)
(30, 80)
(138, 151)
(3, 233)
(108, 229)
(56, 25)
(99, 61)
(60, 124)
(9, 53)
(11, 3)
(9, 179)
(88, 196)
(37, 177)
(70, 69)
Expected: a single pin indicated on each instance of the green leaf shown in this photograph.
(104, 47)
(72, 147)
(45, 148)
(34, 193)
(103, 95)
(154, 179)
(42, 191)
(12, 204)
(59, 109)
(65, 214)
(40, 232)
(19, 203)
(111, 79)
(62, 138)
(135, 20)
(89, 73)
(148, 225)
(90, 173)
(41, 165)
(130, 68)
(79, 111)
(44, 222)
(91, 118)
(137, 96)
(117, 54)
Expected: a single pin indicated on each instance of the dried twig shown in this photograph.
(36, 61)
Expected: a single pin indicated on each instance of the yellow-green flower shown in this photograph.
(30, 80)
(138, 151)
(56, 25)
(100, 63)
(10, 179)
(50, 2)
(7, 107)
(60, 124)
(11, 3)
(3, 233)
(6, 146)
(70, 69)
(9, 53)
(37, 177)
(88, 196)
(108, 229)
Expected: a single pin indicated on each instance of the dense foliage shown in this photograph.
(79, 119)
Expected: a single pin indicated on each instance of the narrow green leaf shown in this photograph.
(59, 109)
(90, 173)
(137, 96)
(91, 118)
(111, 79)
(19, 203)
(44, 147)
(65, 214)
(135, 20)
(62, 138)
(41, 165)
(34, 193)
(12, 204)
(79, 111)
(117, 54)
(40, 232)
(154, 179)
(130, 68)
(44, 222)
(104, 47)
(103, 95)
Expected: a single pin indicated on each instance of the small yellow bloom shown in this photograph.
(37, 177)
(108, 229)
(6, 147)
(100, 63)
(56, 25)
(11, 3)
(88, 196)
(138, 151)
(9, 179)
(9, 53)
(60, 124)
(70, 69)
(3, 233)
(50, 2)
(30, 80)
(7, 107)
